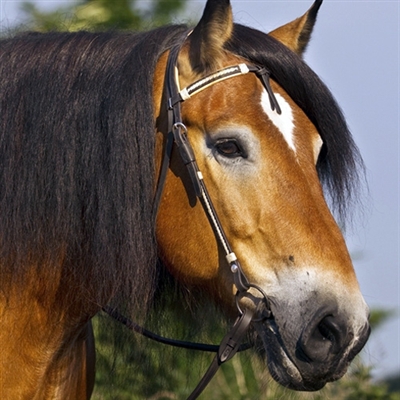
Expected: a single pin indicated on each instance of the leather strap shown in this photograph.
(227, 349)
(134, 327)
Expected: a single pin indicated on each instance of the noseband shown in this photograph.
(177, 135)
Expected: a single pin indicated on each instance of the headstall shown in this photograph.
(177, 135)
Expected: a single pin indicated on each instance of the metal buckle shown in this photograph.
(263, 309)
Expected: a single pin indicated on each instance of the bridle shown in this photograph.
(177, 135)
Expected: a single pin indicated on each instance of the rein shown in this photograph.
(177, 135)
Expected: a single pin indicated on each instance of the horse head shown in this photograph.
(261, 167)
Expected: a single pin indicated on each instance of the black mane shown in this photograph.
(77, 158)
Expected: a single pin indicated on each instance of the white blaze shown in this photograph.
(283, 121)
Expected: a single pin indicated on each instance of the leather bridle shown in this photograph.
(177, 135)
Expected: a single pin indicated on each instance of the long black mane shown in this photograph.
(77, 158)
(77, 150)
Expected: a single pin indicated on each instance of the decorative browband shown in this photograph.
(221, 75)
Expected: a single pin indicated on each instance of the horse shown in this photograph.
(98, 203)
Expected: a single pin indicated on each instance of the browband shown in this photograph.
(221, 75)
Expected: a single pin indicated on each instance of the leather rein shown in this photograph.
(177, 135)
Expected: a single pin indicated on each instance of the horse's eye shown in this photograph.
(229, 148)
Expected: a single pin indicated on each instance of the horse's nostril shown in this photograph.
(335, 332)
(324, 338)
(325, 332)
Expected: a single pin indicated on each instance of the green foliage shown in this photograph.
(378, 317)
(393, 383)
(103, 15)
(358, 385)
(130, 367)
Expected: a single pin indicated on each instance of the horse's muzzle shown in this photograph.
(306, 359)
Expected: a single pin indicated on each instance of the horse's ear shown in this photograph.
(203, 49)
(296, 34)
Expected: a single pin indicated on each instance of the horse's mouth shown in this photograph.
(280, 364)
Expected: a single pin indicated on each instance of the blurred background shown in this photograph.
(355, 50)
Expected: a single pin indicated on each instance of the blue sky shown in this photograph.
(355, 50)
